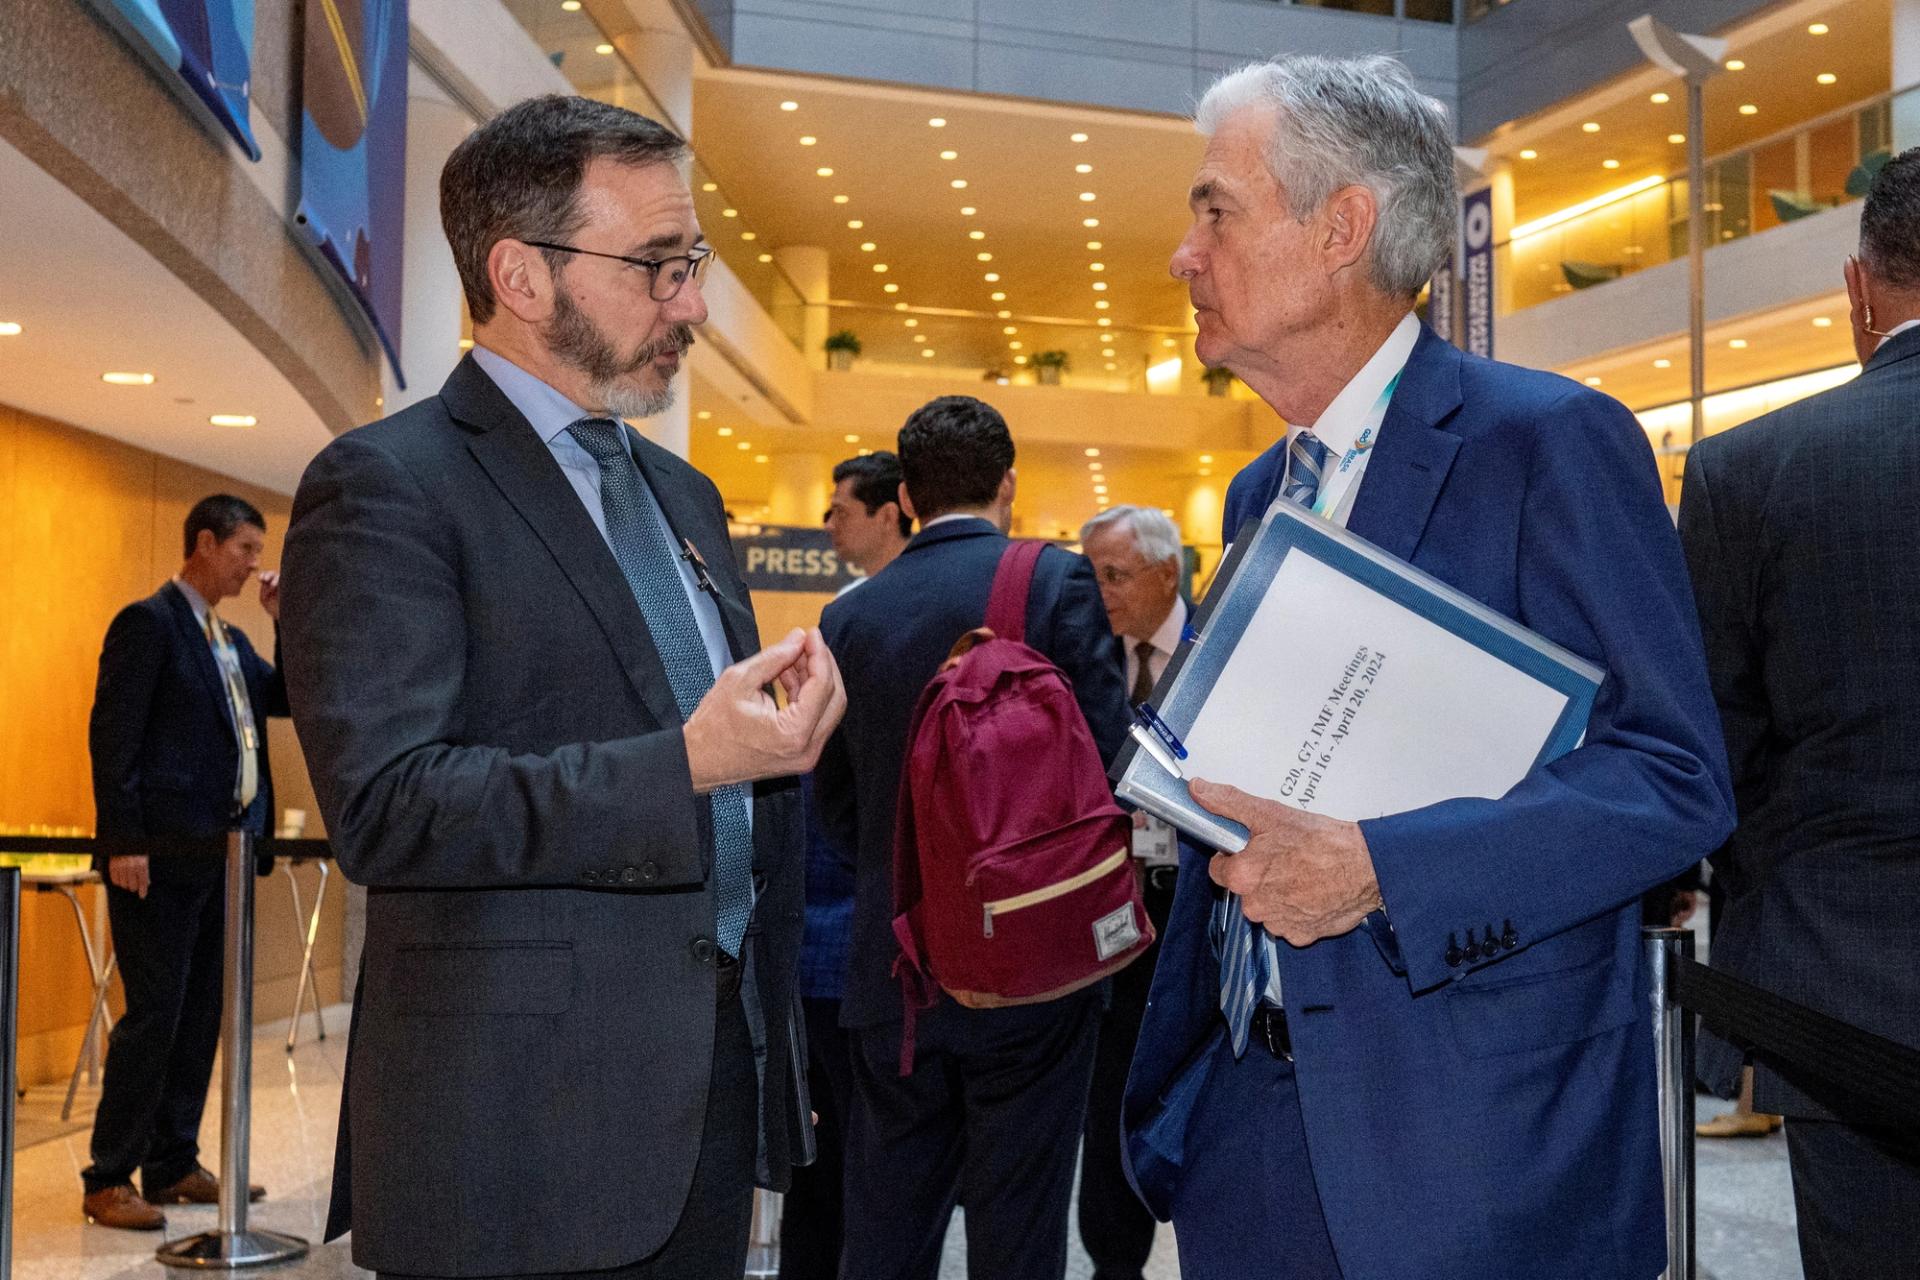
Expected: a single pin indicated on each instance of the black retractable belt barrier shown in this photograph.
(1874, 1077)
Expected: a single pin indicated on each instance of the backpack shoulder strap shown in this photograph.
(1012, 584)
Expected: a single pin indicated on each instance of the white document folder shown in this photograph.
(1336, 678)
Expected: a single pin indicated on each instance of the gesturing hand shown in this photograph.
(739, 733)
(1305, 877)
(270, 593)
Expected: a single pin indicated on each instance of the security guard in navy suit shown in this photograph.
(178, 739)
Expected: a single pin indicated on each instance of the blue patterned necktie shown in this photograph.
(638, 535)
(1247, 959)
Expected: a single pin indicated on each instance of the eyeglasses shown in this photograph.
(665, 276)
(1114, 576)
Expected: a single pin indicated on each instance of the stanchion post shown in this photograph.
(9, 1061)
(231, 1245)
(1673, 1048)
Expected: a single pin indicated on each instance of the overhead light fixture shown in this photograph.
(1002, 314)
(128, 379)
(938, 122)
(1083, 168)
(1077, 137)
(868, 246)
(1019, 359)
(880, 268)
(1101, 305)
(603, 49)
(1663, 363)
(967, 211)
(1096, 466)
(855, 224)
(949, 155)
(1738, 344)
(1823, 322)
(709, 186)
(1735, 64)
(958, 184)
(983, 257)
(891, 288)
(999, 297)
(724, 431)
(729, 213)
(898, 306)
(807, 139)
(1096, 266)
(1826, 77)
(704, 414)
(749, 235)
(1168, 342)
(466, 344)
(1010, 330)
(1591, 126)
(1104, 322)
(1092, 452)
(1526, 229)
(839, 199)
(1660, 99)
(1676, 138)
(823, 173)
(1609, 164)
(789, 106)
(919, 337)
(1087, 197)
(1015, 346)
(1748, 109)
(571, 6)
(759, 457)
(1094, 245)
(1529, 154)
(992, 277)
(234, 420)
(744, 446)
(1111, 366)
(1593, 382)
(927, 354)
(1107, 351)
(1099, 286)
(976, 235)
(912, 324)
(1818, 29)
(1089, 222)
(851, 438)
(9, 328)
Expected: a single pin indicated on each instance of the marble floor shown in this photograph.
(1745, 1200)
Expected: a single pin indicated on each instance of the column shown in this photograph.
(1906, 74)
(807, 268)
(1500, 177)
(431, 306)
(802, 485)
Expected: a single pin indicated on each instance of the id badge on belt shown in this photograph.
(1156, 844)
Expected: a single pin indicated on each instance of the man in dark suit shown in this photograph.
(1801, 531)
(1435, 1058)
(539, 722)
(991, 1113)
(178, 739)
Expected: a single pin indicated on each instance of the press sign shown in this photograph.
(789, 558)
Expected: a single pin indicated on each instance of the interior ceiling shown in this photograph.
(89, 300)
(1781, 78)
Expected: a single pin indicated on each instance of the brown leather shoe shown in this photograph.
(121, 1207)
(1738, 1124)
(200, 1187)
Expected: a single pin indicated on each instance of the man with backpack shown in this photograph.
(990, 1109)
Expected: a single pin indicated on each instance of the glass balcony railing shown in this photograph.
(1819, 165)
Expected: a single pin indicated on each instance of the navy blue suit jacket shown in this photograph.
(164, 750)
(1493, 1118)
(890, 637)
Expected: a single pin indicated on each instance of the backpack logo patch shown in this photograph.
(1115, 932)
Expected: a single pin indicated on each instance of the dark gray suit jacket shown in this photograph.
(498, 755)
(1802, 531)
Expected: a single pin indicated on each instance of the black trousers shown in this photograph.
(990, 1116)
(710, 1240)
(1115, 1227)
(153, 1090)
(813, 1210)
(1856, 1194)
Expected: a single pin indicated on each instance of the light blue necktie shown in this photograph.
(639, 540)
(1246, 953)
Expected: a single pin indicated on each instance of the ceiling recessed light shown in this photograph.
(1676, 138)
(749, 235)
(1748, 109)
(892, 288)
(744, 446)
(855, 224)
(1660, 99)
(919, 337)
(839, 199)
(1823, 322)
(927, 354)
(999, 297)
(1094, 245)
(1529, 154)
(1106, 351)
(898, 306)
(704, 414)
(709, 186)
(1003, 314)
(949, 155)
(1206, 459)
(729, 213)
(1104, 322)
(823, 173)
(1818, 29)
(938, 122)
(1111, 366)
(851, 438)
(1083, 168)
(1019, 359)
(1735, 64)
(1663, 363)
(1092, 452)
(958, 184)
(1088, 197)
(724, 431)
(976, 235)
(1826, 77)
(1096, 466)
(571, 6)
(807, 140)
(912, 324)
(1011, 329)
(789, 106)
(1077, 137)
(1089, 222)
(1591, 126)
(1738, 344)
(868, 246)
(1609, 164)
(1168, 342)
(9, 328)
(1096, 266)
(967, 211)
(1099, 286)
(983, 257)
(1593, 382)
(234, 420)
(1015, 346)
(603, 48)
(466, 344)
(759, 457)
(1101, 304)
(880, 268)
(128, 379)
(992, 277)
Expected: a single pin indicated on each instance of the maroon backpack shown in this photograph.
(1013, 878)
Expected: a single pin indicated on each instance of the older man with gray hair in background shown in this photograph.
(1135, 553)
(1432, 1055)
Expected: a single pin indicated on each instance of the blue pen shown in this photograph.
(1151, 719)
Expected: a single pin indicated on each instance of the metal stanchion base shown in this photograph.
(221, 1251)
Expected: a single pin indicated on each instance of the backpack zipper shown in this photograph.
(1046, 893)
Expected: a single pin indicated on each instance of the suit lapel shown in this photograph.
(518, 461)
(1410, 463)
(200, 653)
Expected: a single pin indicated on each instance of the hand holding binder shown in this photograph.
(1303, 876)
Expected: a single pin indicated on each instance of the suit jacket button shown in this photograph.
(1472, 952)
(629, 875)
(1492, 945)
(1509, 939)
(703, 950)
(590, 877)
(1454, 954)
(649, 871)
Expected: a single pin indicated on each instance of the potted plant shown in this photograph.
(842, 347)
(1048, 366)
(1219, 380)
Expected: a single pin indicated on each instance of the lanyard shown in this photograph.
(1337, 487)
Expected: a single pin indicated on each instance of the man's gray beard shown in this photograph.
(574, 339)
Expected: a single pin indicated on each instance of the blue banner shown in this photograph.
(208, 44)
(776, 557)
(353, 152)
(1477, 272)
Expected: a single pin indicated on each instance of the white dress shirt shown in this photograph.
(1164, 642)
